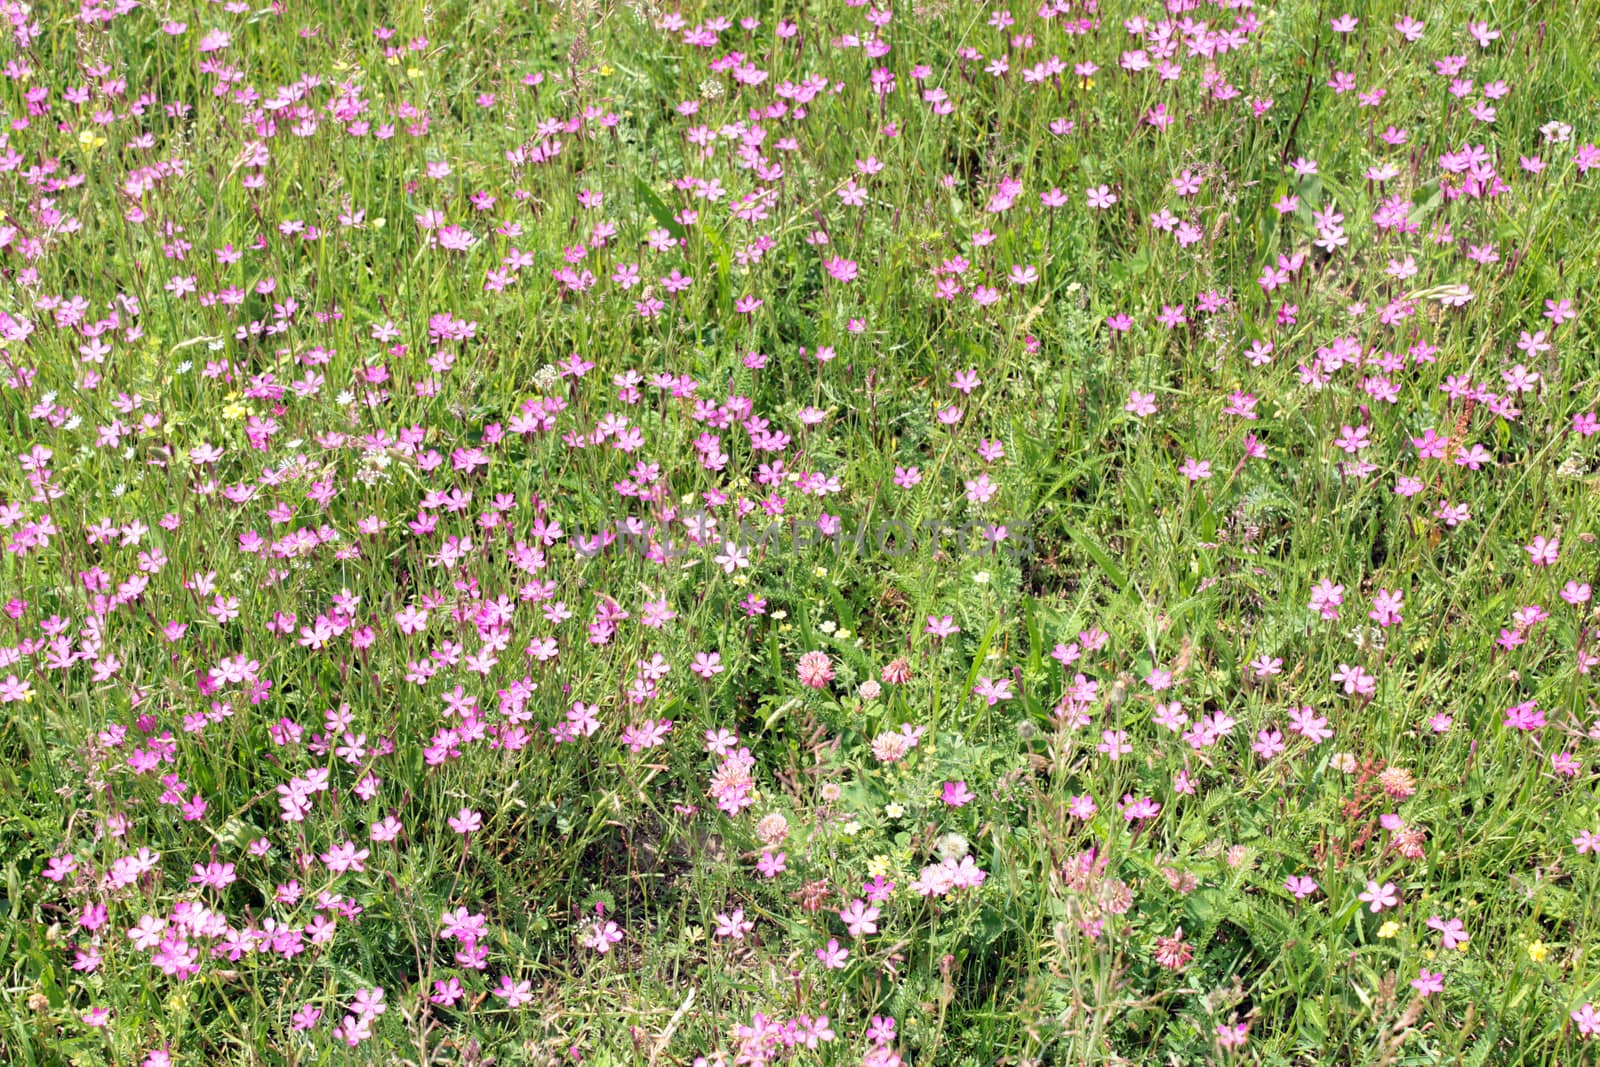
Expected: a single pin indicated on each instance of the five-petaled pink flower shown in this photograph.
(1428, 982)
(860, 918)
(1544, 551)
(1378, 897)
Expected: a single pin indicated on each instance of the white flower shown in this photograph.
(1556, 132)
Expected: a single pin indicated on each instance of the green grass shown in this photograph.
(238, 483)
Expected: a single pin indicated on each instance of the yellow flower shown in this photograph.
(879, 866)
(1389, 929)
(605, 70)
(91, 139)
(413, 72)
(234, 410)
(1538, 951)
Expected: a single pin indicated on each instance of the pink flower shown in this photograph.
(466, 821)
(833, 957)
(1300, 886)
(860, 918)
(815, 670)
(1452, 932)
(993, 690)
(1355, 680)
(956, 794)
(1386, 605)
(1308, 724)
(1114, 743)
(1143, 808)
(1428, 982)
(1525, 716)
(1268, 743)
(1326, 597)
(1378, 897)
(514, 993)
(733, 925)
(1544, 552)
(601, 935)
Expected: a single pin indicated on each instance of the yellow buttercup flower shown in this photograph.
(1538, 951)
(91, 139)
(1389, 929)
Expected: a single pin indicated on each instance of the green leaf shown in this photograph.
(658, 208)
(1092, 548)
